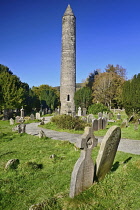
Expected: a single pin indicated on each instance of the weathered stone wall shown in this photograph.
(68, 62)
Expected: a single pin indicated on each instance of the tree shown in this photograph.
(90, 80)
(83, 97)
(107, 88)
(47, 95)
(119, 70)
(11, 90)
(131, 95)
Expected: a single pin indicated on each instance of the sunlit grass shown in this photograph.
(41, 179)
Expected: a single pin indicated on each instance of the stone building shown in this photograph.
(68, 62)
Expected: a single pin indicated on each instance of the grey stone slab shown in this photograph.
(107, 151)
(83, 172)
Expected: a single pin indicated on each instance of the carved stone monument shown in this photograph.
(107, 152)
(83, 172)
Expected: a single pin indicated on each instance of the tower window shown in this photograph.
(68, 97)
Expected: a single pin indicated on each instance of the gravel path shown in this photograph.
(125, 145)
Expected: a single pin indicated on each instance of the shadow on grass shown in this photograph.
(117, 164)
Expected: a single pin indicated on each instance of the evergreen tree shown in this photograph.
(83, 97)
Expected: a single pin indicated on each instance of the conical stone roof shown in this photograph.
(68, 11)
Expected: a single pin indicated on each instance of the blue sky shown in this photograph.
(107, 32)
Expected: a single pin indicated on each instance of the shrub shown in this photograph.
(68, 122)
(96, 108)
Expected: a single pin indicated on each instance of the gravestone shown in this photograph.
(37, 116)
(118, 116)
(49, 111)
(131, 119)
(22, 112)
(41, 134)
(83, 172)
(12, 164)
(124, 123)
(21, 128)
(104, 122)
(84, 119)
(90, 117)
(107, 152)
(32, 117)
(100, 114)
(79, 111)
(17, 119)
(95, 124)
(11, 121)
(84, 111)
(100, 126)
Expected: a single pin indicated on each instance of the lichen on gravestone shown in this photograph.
(83, 172)
(107, 152)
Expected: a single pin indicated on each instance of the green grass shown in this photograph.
(127, 133)
(39, 178)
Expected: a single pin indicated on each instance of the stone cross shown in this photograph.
(107, 151)
(83, 172)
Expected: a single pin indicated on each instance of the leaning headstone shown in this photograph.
(83, 172)
(17, 119)
(131, 119)
(79, 111)
(95, 124)
(90, 117)
(37, 116)
(100, 126)
(41, 134)
(100, 114)
(32, 117)
(11, 121)
(12, 164)
(107, 152)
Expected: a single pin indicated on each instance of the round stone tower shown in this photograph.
(68, 62)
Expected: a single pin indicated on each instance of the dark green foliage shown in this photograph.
(83, 97)
(49, 99)
(131, 95)
(68, 122)
(90, 80)
(96, 108)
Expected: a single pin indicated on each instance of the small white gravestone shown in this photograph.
(11, 121)
(107, 151)
(38, 116)
(83, 172)
(79, 111)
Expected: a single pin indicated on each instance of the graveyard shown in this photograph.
(70, 147)
(42, 176)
